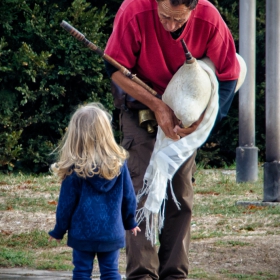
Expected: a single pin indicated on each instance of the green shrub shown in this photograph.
(45, 74)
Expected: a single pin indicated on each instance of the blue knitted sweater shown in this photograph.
(95, 212)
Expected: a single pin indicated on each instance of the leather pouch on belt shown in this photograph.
(123, 100)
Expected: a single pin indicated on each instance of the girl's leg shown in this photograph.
(109, 265)
(83, 262)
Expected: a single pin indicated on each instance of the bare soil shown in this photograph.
(260, 256)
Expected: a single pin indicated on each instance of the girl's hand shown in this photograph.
(51, 238)
(134, 230)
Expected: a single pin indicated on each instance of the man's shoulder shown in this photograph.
(204, 7)
(205, 3)
(138, 6)
(207, 12)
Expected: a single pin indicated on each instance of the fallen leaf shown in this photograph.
(254, 207)
(52, 202)
(21, 187)
(6, 232)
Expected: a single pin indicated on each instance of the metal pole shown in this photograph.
(272, 105)
(247, 153)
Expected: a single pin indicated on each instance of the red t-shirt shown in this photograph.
(140, 43)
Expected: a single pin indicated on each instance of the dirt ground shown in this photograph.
(260, 256)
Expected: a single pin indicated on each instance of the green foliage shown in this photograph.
(45, 74)
(229, 10)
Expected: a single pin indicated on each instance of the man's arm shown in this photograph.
(164, 115)
(226, 95)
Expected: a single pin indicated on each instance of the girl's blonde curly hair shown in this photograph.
(88, 146)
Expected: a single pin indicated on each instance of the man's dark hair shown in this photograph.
(191, 4)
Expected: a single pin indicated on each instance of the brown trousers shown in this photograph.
(143, 259)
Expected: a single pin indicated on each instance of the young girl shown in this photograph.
(97, 201)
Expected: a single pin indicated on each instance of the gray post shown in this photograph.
(247, 153)
(272, 106)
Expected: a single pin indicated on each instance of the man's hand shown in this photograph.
(166, 120)
(182, 132)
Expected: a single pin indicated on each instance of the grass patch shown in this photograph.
(200, 274)
(215, 197)
(33, 240)
(232, 243)
(259, 276)
(27, 204)
(33, 250)
(54, 260)
(15, 258)
(205, 234)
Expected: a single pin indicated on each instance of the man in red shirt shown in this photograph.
(146, 39)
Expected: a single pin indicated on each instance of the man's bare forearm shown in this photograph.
(136, 91)
(164, 115)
